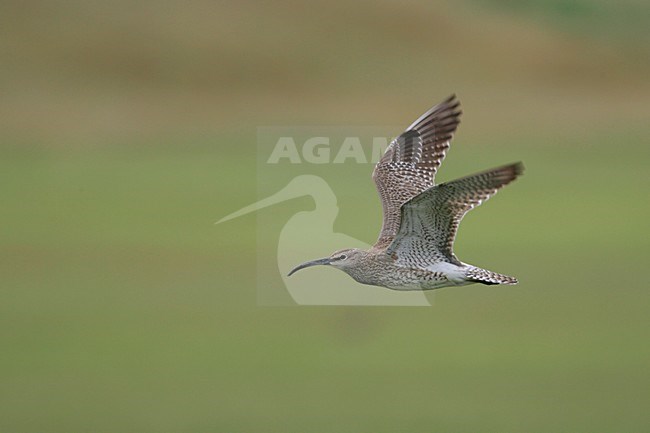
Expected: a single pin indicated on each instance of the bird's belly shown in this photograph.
(421, 284)
(434, 276)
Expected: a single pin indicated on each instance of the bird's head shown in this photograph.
(341, 259)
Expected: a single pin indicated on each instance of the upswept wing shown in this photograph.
(409, 165)
(430, 220)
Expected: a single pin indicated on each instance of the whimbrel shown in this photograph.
(414, 250)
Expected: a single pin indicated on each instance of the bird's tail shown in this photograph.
(484, 276)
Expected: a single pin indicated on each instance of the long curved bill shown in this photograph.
(325, 261)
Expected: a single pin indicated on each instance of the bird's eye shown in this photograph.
(342, 257)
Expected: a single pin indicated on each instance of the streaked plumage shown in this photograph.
(414, 250)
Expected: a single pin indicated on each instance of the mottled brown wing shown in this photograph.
(430, 220)
(410, 162)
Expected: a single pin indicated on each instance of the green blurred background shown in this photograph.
(128, 128)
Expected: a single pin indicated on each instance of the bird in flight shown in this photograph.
(414, 250)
